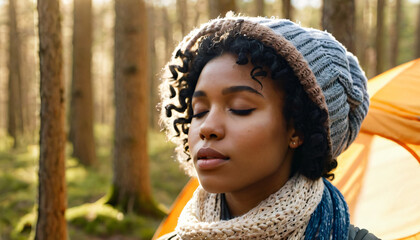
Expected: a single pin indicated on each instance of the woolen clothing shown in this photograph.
(354, 234)
(285, 214)
(302, 208)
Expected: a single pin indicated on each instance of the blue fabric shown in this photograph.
(331, 217)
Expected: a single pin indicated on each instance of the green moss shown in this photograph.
(134, 203)
(24, 226)
(10, 183)
(88, 216)
(17, 189)
(103, 220)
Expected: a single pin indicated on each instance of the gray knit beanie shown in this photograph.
(338, 74)
(330, 75)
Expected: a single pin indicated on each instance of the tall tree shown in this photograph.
(153, 119)
(221, 7)
(81, 106)
(395, 33)
(417, 44)
(3, 50)
(197, 12)
(15, 108)
(379, 39)
(259, 7)
(51, 223)
(102, 66)
(167, 34)
(338, 18)
(29, 62)
(287, 9)
(182, 15)
(362, 32)
(131, 188)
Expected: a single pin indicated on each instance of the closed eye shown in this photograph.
(200, 114)
(242, 112)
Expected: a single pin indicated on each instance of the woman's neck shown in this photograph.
(240, 202)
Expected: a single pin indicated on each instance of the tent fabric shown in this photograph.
(380, 181)
(168, 225)
(394, 112)
(351, 168)
(379, 174)
(388, 201)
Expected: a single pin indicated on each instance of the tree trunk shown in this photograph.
(131, 187)
(379, 40)
(362, 31)
(29, 62)
(198, 12)
(182, 14)
(338, 19)
(221, 7)
(225, 6)
(51, 223)
(81, 107)
(3, 69)
(102, 71)
(212, 6)
(417, 44)
(259, 7)
(395, 33)
(154, 115)
(15, 109)
(167, 34)
(287, 9)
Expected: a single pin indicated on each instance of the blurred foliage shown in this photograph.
(88, 217)
(97, 219)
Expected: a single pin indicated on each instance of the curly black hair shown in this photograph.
(311, 158)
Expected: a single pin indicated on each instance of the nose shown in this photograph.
(212, 128)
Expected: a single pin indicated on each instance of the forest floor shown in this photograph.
(87, 216)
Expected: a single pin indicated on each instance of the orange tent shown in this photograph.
(379, 174)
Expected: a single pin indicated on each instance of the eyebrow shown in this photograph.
(235, 89)
(199, 94)
(229, 90)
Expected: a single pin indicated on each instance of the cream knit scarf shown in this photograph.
(283, 215)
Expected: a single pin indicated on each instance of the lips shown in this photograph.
(209, 153)
(209, 159)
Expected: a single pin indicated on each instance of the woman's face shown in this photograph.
(238, 138)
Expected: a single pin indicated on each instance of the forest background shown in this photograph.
(114, 173)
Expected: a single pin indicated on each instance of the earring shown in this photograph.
(294, 143)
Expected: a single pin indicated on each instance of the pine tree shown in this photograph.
(51, 223)
(287, 9)
(81, 107)
(221, 7)
(338, 18)
(379, 40)
(131, 187)
(15, 109)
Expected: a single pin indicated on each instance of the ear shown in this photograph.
(295, 140)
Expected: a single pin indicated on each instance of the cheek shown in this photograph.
(193, 135)
(259, 137)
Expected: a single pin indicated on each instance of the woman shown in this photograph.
(260, 109)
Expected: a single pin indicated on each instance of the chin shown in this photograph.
(213, 184)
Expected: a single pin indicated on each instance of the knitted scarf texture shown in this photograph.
(331, 219)
(283, 215)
